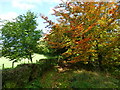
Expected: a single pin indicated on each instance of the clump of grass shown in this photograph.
(87, 79)
(10, 85)
(34, 84)
(78, 79)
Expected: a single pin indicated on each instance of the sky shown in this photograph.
(10, 9)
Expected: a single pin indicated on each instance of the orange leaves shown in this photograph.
(46, 19)
(92, 51)
(74, 61)
(65, 15)
(54, 47)
(89, 28)
(82, 41)
(111, 11)
(46, 38)
(76, 30)
(71, 22)
(68, 31)
(80, 26)
(67, 54)
(53, 43)
(77, 59)
(73, 27)
(76, 9)
(56, 26)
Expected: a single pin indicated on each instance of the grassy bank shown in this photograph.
(80, 78)
(48, 74)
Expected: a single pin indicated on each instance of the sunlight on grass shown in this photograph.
(89, 72)
(8, 64)
(77, 79)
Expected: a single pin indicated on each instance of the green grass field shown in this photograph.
(8, 64)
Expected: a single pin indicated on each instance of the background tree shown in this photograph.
(87, 29)
(20, 37)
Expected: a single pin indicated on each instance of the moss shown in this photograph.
(10, 85)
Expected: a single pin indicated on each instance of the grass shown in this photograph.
(8, 64)
(75, 79)
(88, 79)
(72, 78)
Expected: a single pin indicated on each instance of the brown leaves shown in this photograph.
(83, 41)
(46, 19)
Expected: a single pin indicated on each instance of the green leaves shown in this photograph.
(20, 37)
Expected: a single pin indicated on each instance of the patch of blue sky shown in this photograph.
(10, 9)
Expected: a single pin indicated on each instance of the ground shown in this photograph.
(57, 76)
(73, 78)
(8, 64)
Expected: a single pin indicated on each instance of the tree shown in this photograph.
(87, 29)
(20, 37)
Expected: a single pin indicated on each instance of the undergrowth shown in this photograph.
(74, 79)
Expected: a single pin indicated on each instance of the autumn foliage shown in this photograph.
(90, 31)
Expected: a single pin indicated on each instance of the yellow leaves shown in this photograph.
(102, 22)
(103, 8)
(116, 26)
(110, 20)
(80, 27)
(105, 44)
(103, 17)
(92, 51)
(76, 9)
(85, 62)
(67, 53)
(89, 28)
(92, 11)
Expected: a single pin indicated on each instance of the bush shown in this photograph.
(23, 74)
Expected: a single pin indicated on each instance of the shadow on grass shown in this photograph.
(78, 79)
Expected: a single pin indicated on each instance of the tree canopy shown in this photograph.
(90, 31)
(20, 37)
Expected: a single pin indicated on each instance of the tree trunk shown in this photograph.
(100, 58)
(30, 56)
(89, 57)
